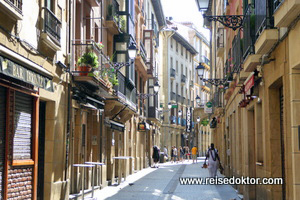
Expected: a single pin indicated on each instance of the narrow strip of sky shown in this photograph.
(185, 11)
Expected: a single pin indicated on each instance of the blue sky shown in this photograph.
(184, 10)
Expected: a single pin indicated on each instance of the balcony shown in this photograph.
(251, 60)
(205, 60)
(173, 120)
(265, 33)
(96, 75)
(285, 12)
(13, 8)
(173, 96)
(237, 52)
(52, 30)
(120, 89)
(112, 17)
(173, 73)
(142, 52)
(183, 78)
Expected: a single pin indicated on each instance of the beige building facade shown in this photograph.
(257, 129)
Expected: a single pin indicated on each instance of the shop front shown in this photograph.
(20, 82)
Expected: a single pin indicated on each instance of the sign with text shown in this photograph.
(208, 107)
(12, 69)
(249, 84)
(189, 119)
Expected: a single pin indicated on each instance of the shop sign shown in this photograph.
(117, 126)
(143, 126)
(208, 107)
(205, 122)
(12, 69)
(249, 84)
(189, 120)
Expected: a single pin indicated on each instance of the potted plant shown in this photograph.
(87, 62)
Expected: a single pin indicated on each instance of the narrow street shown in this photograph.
(163, 183)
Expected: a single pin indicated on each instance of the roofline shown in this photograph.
(159, 12)
(179, 38)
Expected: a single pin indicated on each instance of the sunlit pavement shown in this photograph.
(163, 183)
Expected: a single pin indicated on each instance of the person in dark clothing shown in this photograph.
(155, 156)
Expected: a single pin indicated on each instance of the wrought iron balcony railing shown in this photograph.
(143, 52)
(173, 73)
(249, 32)
(120, 88)
(263, 15)
(15, 4)
(237, 52)
(52, 25)
(277, 4)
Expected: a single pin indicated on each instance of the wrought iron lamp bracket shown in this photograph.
(118, 66)
(231, 21)
(145, 96)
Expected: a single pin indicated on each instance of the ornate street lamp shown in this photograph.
(179, 113)
(198, 100)
(131, 53)
(198, 119)
(200, 70)
(231, 21)
(169, 105)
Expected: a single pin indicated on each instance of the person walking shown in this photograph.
(166, 153)
(213, 160)
(187, 153)
(155, 156)
(175, 154)
(172, 154)
(194, 154)
(181, 154)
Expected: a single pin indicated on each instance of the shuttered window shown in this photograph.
(22, 140)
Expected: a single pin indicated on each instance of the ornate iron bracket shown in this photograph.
(231, 21)
(215, 82)
(145, 96)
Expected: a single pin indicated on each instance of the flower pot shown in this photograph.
(84, 70)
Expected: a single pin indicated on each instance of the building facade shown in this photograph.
(257, 131)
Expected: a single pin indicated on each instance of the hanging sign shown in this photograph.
(189, 120)
(249, 83)
(208, 107)
(143, 126)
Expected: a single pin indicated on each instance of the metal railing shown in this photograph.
(52, 25)
(173, 73)
(205, 60)
(121, 86)
(183, 122)
(183, 78)
(263, 16)
(112, 10)
(277, 4)
(237, 52)
(143, 52)
(249, 32)
(16, 4)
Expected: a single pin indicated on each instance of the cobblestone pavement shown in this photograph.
(163, 184)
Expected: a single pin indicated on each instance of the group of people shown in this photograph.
(212, 156)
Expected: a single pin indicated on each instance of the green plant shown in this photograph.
(110, 74)
(122, 21)
(113, 79)
(89, 58)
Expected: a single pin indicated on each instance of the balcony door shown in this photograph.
(50, 5)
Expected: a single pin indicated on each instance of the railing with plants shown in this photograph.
(249, 31)
(112, 10)
(88, 56)
(52, 25)
(206, 60)
(264, 15)
(15, 4)
(121, 86)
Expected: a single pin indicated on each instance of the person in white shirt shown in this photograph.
(213, 160)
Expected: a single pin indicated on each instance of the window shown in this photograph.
(176, 66)
(186, 54)
(181, 50)
(171, 43)
(171, 63)
(181, 69)
(176, 46)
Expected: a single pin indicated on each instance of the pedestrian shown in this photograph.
(187, 152)
(155, 156)
(172, 154)
(175, 154)
(213, 160)
(166, 152)
(181, 154)
(194, 154)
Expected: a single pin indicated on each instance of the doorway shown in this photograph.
(41, 154)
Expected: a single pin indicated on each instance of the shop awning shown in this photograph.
(21, 68)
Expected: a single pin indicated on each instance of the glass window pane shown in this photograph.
(121, 46)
